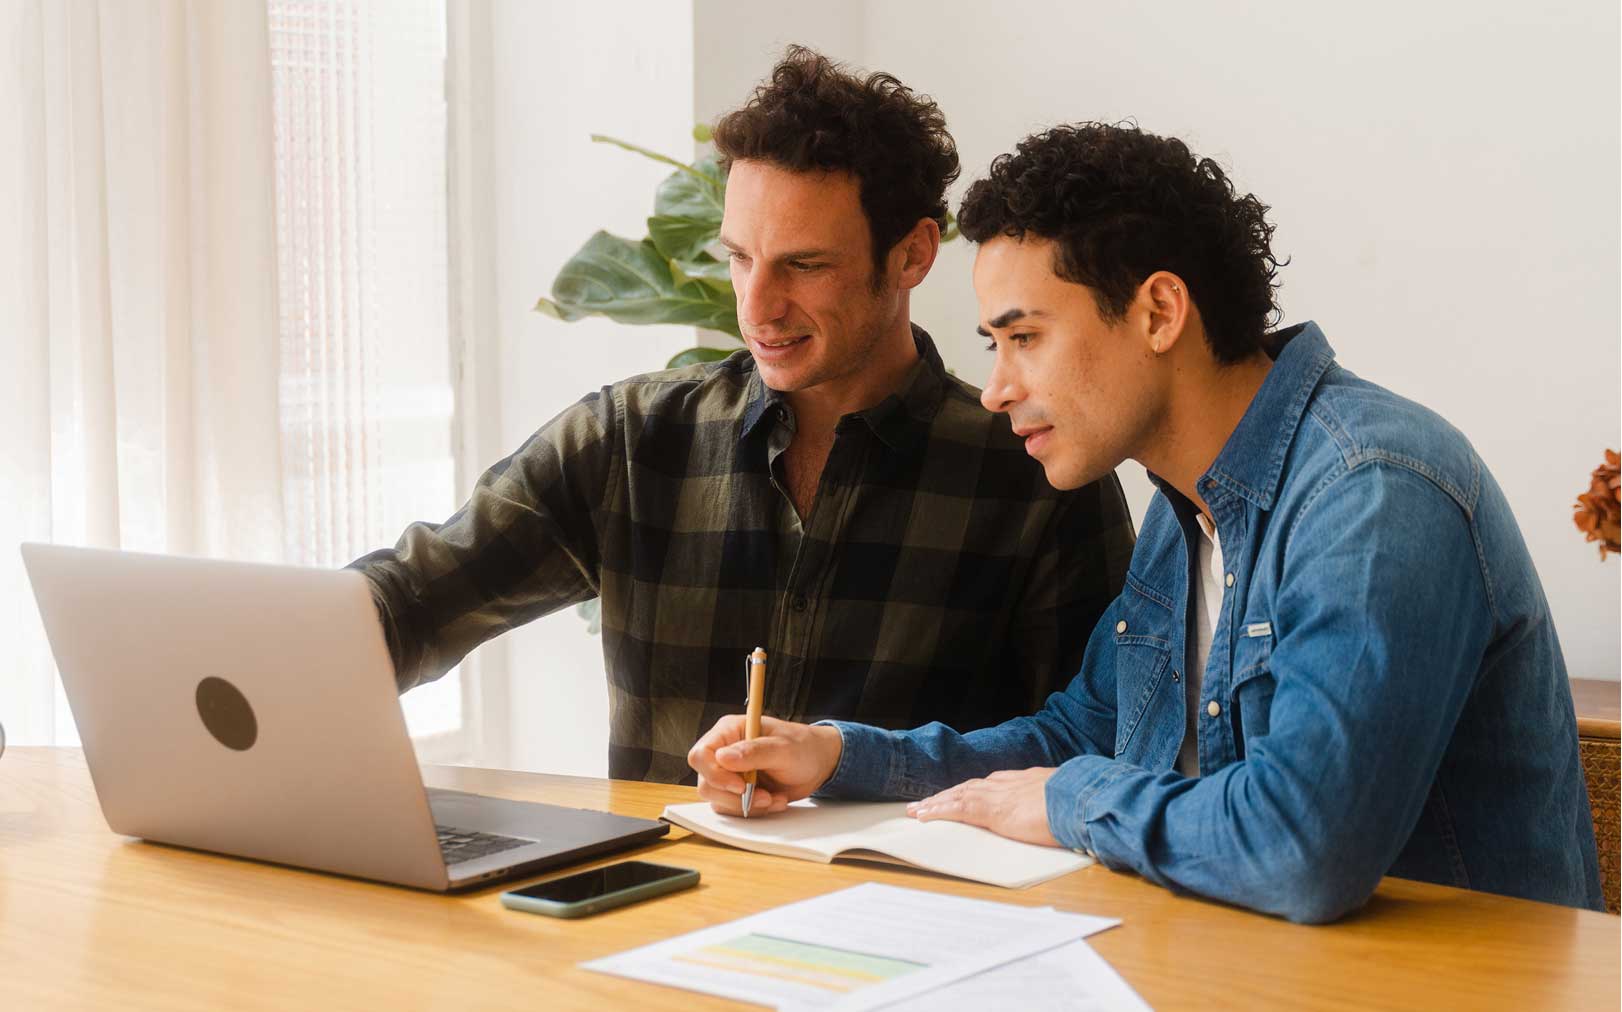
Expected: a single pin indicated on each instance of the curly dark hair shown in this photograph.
(812, 114)
(1121, 204)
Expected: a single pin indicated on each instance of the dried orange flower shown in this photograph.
(1597, 512)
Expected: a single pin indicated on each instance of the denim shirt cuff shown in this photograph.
(1070, 790)
(866, 767)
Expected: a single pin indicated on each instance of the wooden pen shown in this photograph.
(752, 707)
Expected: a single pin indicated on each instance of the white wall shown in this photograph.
(1443, 176)
(736, 43)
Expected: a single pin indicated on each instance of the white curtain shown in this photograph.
(223, 295)
(138, 298)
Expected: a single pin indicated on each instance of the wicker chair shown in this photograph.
(1598, 734)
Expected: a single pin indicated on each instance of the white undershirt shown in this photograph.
(1207, 608)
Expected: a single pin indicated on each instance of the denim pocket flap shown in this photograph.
(1252, 652)
(1253, 685)
(1143, 617)
(1143, 632)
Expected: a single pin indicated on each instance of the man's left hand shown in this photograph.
(1011, 803)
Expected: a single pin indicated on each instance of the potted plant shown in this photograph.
(668, 276)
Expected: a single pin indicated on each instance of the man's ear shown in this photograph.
(1164, 302)
(912, 257)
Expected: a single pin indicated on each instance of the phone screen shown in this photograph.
(589, 885)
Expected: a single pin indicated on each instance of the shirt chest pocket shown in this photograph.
(1142, 653)
(1253, 683)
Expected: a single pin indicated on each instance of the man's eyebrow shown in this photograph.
(793, 254)
(1008, 317)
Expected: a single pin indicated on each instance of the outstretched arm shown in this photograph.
(525, 544)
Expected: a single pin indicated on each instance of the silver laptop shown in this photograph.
(251, 710)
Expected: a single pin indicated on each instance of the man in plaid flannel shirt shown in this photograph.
(832, 493)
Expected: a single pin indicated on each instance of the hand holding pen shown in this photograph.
(752, 764)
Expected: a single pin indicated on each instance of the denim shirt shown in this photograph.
(1385, 692)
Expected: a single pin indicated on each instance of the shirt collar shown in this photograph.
(1252, 461)
(900, 420)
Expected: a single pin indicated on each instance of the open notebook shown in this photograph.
(825, 830)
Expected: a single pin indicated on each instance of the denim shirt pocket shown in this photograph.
(1253, 683)
(1142, 652)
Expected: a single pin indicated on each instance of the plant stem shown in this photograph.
(708, 180)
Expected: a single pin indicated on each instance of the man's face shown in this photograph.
(802, 267)
(1084, 393)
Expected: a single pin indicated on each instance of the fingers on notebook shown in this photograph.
(721, 800)
(713, 773)
(728, 803)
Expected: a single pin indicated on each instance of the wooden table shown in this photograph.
(89, 919)
(1599, 707)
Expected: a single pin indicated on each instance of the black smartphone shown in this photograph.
(600, 889)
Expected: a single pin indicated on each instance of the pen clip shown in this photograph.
(747, 658)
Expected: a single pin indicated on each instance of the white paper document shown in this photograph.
(859, 948)
(1070, 978)
(816, 830)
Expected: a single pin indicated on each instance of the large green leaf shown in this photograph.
(706, 269)
(681, 238)
(687, 210)
(630, 282)
(693, 356)
(592, 613)
(694, 191)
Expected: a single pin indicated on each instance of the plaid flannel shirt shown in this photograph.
(937, 577)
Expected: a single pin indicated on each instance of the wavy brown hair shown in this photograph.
(814, 115)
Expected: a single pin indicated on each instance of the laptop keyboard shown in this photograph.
(460, 845)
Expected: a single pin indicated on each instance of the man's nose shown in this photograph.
(1002, 391)
(761, 298)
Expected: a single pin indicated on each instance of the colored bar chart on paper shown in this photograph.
(820, 966)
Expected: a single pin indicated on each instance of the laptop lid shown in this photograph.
(240, 708)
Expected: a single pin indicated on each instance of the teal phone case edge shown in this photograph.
(611, 901)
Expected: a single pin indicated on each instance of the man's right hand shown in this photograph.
(791, 761)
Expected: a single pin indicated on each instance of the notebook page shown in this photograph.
(830, 828)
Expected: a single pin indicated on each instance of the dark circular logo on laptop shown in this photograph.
(226, 714)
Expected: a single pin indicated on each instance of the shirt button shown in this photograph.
(799, 602)
(1230, 579)
(1120, 627)
(1174, 676)
(1213, 708)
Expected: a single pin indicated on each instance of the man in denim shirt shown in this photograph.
(1332, 660)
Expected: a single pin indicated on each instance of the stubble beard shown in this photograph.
(869, 332)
